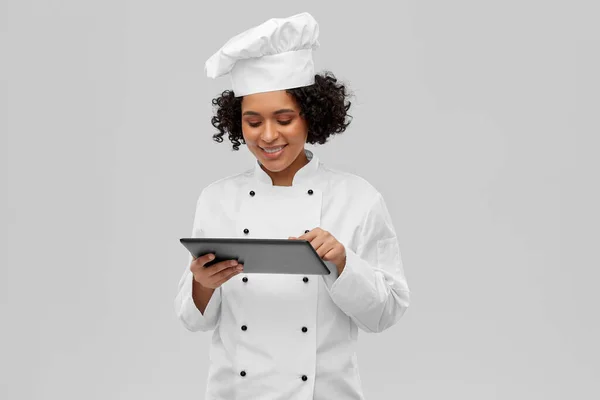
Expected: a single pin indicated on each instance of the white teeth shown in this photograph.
(273, 150)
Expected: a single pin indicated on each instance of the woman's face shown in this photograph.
(270, 120)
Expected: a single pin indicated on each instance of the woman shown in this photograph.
(279, 336)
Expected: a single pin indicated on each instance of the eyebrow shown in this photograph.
(283, 110)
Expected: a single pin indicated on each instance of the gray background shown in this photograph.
(477, 120)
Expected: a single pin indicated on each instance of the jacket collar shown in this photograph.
(302, 176)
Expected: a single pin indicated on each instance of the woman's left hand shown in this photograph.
(327, 247)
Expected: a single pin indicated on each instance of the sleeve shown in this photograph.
(185, 308)
(372, 288)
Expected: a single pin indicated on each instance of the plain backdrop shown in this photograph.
(476, 120)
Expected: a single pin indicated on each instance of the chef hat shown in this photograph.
(274, 55)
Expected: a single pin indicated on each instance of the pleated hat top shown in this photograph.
(275, 55)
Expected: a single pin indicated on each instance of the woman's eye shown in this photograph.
(255, 124)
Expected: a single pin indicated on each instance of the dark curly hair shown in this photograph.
(324, 106)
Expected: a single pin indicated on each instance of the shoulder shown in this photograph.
(224, 187)
(351, 184)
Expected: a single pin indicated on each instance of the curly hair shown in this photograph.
(324, 105)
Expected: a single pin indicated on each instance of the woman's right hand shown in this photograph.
(214, 276)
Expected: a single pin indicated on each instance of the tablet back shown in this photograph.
(272, 256)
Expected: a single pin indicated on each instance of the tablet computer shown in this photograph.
(268, 256)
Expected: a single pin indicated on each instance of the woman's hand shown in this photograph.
(214, 276)
(327, 247)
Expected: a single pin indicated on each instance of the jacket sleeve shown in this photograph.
(372, 288)
(186, 310)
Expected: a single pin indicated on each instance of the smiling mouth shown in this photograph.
(273, 150)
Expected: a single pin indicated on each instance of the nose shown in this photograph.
(270, 133)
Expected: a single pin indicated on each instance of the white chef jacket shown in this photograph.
(290, 336)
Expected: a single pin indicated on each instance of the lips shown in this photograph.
(273, 147)
(273, 155)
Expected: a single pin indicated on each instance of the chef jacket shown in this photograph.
(293, 336)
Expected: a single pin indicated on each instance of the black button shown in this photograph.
(304, 329)
(305, 279)
(304, 377)
(252, 193)
(310, 191)
(244, 327)
(243, 373)
(306, 231)
(246, 231)
(245, 279)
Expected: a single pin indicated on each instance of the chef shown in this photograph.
(288, 336)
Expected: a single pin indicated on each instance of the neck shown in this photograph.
(286, 177)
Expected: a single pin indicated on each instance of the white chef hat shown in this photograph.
(274, 55)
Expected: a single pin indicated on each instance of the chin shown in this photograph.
(275, 165)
